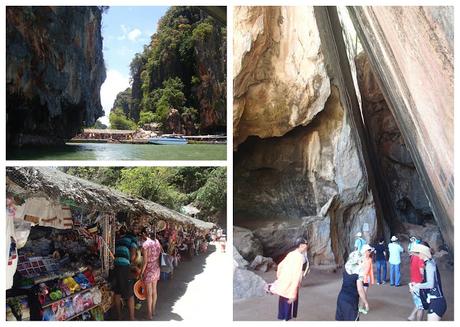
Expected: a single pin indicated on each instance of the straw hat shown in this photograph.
(420, 248)
(394, 238)
(161, 225)
(139, 290)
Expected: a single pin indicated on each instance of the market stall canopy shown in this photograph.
(52, 183)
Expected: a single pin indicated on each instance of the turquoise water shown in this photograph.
(110, 151)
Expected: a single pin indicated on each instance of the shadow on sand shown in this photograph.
(170, 291)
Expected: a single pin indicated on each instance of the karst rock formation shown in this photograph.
(54, 71)
(343, 122)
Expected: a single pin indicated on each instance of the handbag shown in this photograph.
(163, 259)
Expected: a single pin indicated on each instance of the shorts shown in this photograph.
(120, 282)
(417, 301)
(438, 306)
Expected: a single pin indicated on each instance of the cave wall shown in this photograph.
(54, 71)
(410, 50)
(298, 165)
(398, 175)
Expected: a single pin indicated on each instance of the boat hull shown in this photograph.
(168, 141)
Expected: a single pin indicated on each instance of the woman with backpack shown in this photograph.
(430, 290)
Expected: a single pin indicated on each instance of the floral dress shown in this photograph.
(152, 250)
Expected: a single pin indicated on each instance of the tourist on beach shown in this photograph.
(359, 242)
(395, 250)
(150, 273)
(381, 261)
(430, 291)
(417, 270)
(352, 290)
(289, 276)
(122, 279)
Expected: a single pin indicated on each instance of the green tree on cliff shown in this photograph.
(118, 120)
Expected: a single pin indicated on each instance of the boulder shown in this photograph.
(246, 243)
(247, 284)
(238, 260)
(263, 264)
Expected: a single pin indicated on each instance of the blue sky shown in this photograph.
(125, 31)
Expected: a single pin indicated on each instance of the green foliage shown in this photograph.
(195, 80)
(162, 99)
(101, 175)
(124, 101)
(146, 117)
(202, 31)
(118, 120)
(172, 187)
(152, 183)
(212, 197)
(99, 125)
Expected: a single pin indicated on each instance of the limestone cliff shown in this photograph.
(314, 155)
(55, 69)
(299, 169)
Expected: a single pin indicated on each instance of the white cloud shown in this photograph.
(114, 84)
(134, 34)
(130, 34)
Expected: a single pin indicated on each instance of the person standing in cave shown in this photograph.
(430, 290)
(352, 290)
(417, 270)
(368, 271)
(359, 242)
(381, 261)
(395, 250)
(289, 277)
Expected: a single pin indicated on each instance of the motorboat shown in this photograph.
(168, 140)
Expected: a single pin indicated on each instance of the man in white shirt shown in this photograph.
(395, 250)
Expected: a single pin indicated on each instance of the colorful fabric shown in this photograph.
(152, 250)
(289, 275)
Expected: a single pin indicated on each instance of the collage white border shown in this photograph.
(224, 295)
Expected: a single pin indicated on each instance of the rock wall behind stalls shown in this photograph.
(300, 166)
(55, 69)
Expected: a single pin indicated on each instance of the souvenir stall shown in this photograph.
(61, 239)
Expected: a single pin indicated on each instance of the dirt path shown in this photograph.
(318, 296)
(191, 293)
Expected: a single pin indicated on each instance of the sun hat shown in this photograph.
(161, 225)
(354, 264)
(359, 234)
(394, 238)
(413, 239)
(139, 290)
(366, 247)
(420, 248)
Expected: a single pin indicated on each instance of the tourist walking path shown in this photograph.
(318, 297)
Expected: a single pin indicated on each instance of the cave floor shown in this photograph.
(318, 296)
